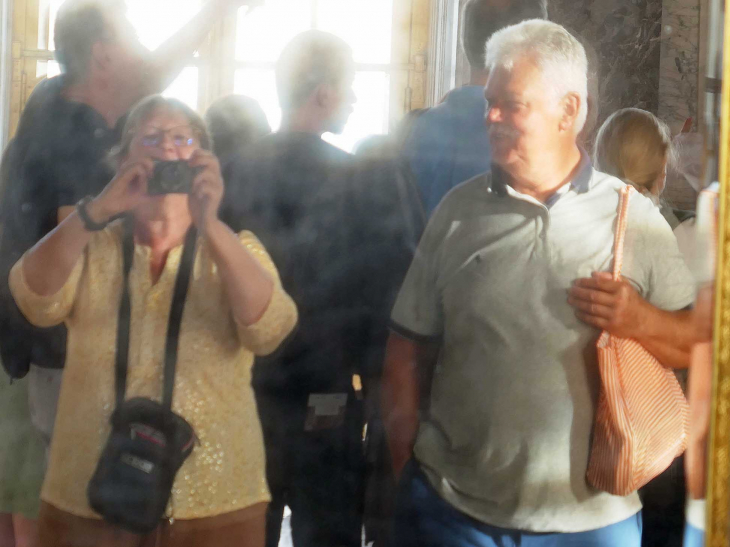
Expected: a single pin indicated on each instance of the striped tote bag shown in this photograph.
(641, 422)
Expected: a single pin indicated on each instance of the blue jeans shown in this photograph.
(693, 537)
(424, 519)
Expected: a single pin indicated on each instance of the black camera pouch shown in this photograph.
(133, 480)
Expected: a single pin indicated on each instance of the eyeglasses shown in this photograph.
(181, 136)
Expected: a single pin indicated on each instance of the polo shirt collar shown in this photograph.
(581, 183)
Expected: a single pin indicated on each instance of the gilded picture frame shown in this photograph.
(718, 474)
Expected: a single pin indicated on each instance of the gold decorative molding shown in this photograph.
(25, 55)
(718, 479)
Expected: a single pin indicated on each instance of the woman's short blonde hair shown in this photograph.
(635, 146)
(144, 109)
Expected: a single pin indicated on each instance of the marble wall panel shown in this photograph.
(679, 81)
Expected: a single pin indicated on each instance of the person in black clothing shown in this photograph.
(341, 233)
(59, 155)
(234, 122)
(381, 156)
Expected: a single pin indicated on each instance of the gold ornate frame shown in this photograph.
(718, 475)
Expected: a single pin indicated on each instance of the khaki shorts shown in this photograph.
(244, 528)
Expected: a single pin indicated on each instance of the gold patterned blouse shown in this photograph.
(213, 376)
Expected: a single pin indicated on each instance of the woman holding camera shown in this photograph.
(235, 308)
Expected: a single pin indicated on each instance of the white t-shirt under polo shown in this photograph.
(507, 437)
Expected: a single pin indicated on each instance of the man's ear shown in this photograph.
(571, 104)
(324, 95)
(100, 58)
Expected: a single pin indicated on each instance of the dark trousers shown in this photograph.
(318, 474)
(664, 501)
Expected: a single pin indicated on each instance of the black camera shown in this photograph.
(171, 177)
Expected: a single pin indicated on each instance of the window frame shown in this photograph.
(443, 51)
(6, 67)
(408, 69)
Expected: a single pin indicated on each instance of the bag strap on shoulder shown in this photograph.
(182, 281)
(125, 312)
(618, 246)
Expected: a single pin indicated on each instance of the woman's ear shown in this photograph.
(570, 109)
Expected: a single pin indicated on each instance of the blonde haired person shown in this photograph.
(235, 308)
(636, 147)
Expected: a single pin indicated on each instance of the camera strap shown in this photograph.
(182, 281)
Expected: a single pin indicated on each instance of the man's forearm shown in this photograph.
(401, 399)
(668, 336)
(168, 60)
(699, 396)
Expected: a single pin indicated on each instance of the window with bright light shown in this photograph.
(154, 22)
(364, 24)
(246, 49)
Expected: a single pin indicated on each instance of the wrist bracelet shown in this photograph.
(89, 224)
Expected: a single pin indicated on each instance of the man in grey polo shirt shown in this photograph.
(504, 289)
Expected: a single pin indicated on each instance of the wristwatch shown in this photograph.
(89, 223)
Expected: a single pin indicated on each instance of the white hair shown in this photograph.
(559, 55)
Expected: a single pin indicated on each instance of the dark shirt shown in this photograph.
(59, 155)
(449, 144)
(342, 233)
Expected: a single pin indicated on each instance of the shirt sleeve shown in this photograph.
(429, 142)
(45, 311)
(79, 175)
(417, 146)
(653, 259)
(280, 316)
(418, 311)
